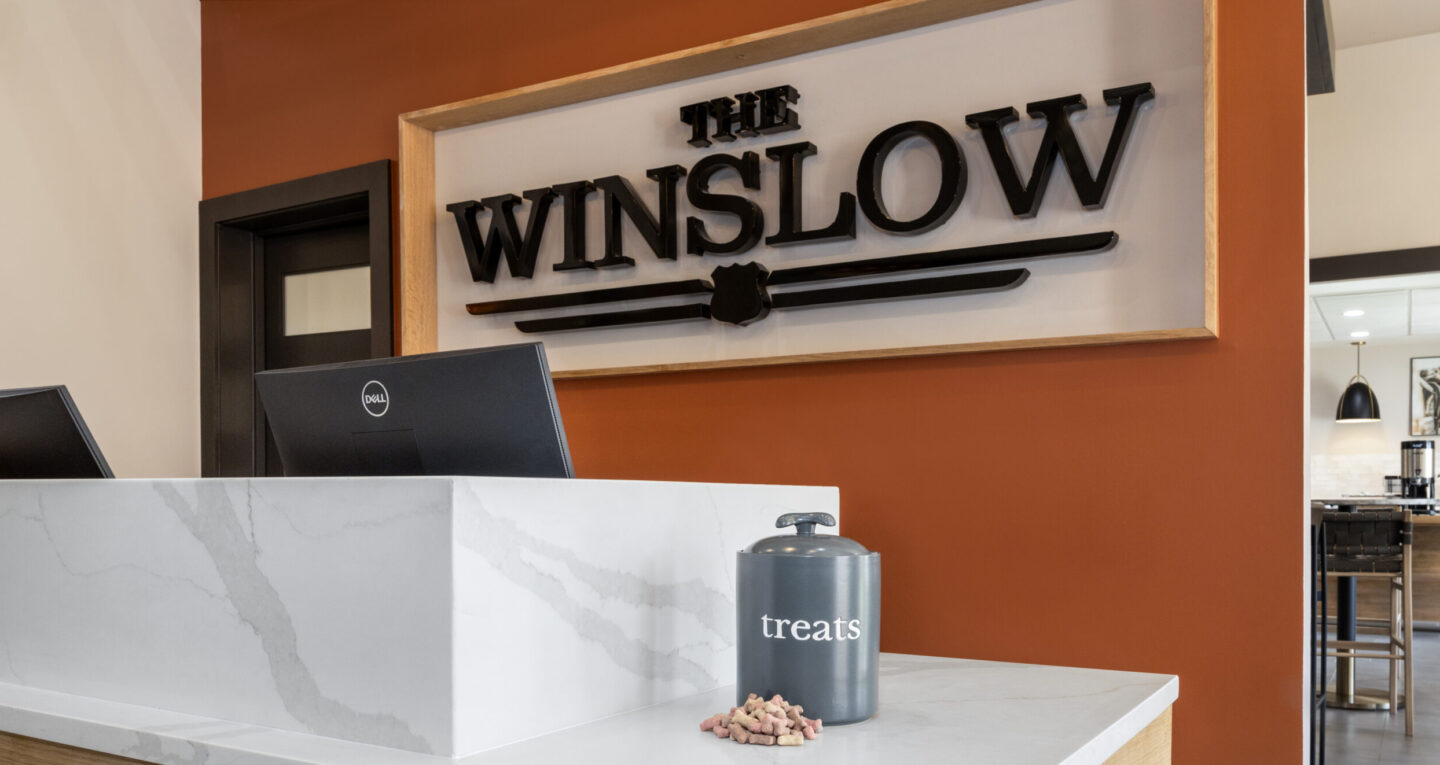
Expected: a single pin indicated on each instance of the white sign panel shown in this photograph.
(898, 126)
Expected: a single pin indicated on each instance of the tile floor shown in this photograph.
(1366, 737)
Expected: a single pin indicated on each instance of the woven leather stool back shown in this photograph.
(1367, 540)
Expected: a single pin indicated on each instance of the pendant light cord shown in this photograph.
(1359, 376)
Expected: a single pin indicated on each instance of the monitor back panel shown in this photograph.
(43, 436)
(477, 412)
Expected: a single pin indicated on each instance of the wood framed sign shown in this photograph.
(915, 177)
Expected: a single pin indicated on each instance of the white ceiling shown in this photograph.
(1388, 308)
(1363, 22)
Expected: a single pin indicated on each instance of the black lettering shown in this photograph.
(661, 235)
(722, 110)
(775, 113)
(745, 114)
(953, 175)
(482, 253)
(1059, 141)
(572, 201)
(697, 116)
(697, 189)
(471, 240)
(790, 157)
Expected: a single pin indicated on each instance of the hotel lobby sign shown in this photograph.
(1029, 177)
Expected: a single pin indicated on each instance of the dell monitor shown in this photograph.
(43, 436)
(486, 411)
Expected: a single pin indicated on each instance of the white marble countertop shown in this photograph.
(931, 710)
(435, 614)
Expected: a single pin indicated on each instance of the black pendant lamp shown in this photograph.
(1358, 403)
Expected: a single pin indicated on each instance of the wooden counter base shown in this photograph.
(1151, 746)
(19, 750)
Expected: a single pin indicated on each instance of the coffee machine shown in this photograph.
(1417, 469)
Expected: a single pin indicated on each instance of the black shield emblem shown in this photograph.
(740, 296)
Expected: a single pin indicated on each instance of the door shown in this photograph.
(317, 304)
(291, 275)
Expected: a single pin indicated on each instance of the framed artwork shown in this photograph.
(1424, 395)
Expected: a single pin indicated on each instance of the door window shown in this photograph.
(336, 300)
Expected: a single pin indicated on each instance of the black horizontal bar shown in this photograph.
(988, 253)
(1370, 264)
(616, 318)
(988, 281)
(591, 297)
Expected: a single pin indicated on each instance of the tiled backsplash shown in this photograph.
(1334, 475)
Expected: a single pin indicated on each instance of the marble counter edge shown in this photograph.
(1118, 734)
(175, 738)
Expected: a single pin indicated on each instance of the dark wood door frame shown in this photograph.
(232, 234)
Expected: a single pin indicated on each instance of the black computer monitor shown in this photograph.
(485, 411)
(43, 436)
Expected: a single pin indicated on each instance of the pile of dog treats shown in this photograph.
(764, 722)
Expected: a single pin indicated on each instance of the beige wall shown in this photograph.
(100, 140)
(1373, 166)
(1354, 457)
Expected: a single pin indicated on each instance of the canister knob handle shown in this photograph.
(804, 523)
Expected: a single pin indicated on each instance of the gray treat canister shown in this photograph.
(807, 627)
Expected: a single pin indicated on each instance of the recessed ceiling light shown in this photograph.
(1359, 333)
(1352, 313)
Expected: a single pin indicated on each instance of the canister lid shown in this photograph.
(805, 541)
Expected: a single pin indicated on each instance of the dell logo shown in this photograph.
(375, 398)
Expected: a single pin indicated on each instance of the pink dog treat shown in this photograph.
(765, 722)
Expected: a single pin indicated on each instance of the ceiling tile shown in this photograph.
(1425, 311)
(1384, 314)
(1319, 330)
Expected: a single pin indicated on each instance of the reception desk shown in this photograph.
(416, 621)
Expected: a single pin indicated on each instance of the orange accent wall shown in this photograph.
(1134, 507)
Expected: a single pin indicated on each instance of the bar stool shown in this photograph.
(1319, 633)
(1375, 544)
